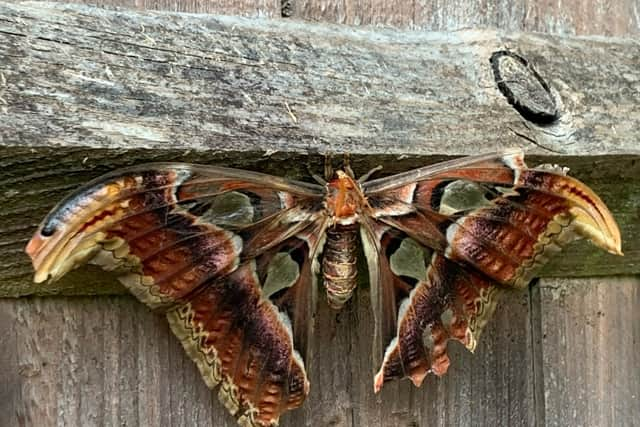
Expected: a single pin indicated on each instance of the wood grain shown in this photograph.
(196, 82)
(255, 8)
(264, 95)
(619, 18)
(576, 17)
(110, 361)
(588, 332)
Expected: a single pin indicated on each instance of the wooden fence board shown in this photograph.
(110, 361)
(588, 337)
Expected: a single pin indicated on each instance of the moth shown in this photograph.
(233, 256)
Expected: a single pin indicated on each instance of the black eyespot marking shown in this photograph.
(48, 230)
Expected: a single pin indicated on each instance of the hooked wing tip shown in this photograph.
(616, 242)
(617, 250)
(612, 240)
(378, 382)
(603, 233)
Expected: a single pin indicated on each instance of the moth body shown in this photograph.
(345, 200)
(345, 204)
(339, 263)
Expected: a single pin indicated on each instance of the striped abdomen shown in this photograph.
(339, 267)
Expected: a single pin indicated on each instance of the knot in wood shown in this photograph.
(524, 88)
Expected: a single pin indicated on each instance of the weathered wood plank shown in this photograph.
(577, 17)
(195, 82)
(255, 8)
(619, 18)
(97, 362)
(588, 332)
(110, 361)
(146, 89)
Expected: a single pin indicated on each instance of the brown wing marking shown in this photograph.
(242, 330)
(498, 216)
(242, 342)
(450, 304)
(131, 224)
(514, 235)
(591, 218)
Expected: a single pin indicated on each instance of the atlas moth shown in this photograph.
(233, 256)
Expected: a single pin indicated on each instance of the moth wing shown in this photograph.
(249, 331)
(483, 224)
(227, 254)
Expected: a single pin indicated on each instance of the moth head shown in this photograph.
(345, 197)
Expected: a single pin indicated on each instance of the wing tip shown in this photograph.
(378, 382)
(34, 250)
(418, 377)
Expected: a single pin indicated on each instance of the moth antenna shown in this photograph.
(367, 175)
(346, 161)
(328, 167)
(320, 180)
(349, 171)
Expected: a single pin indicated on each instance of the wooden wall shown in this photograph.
(567, 352)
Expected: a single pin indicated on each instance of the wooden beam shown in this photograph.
(77, 76)
(84, 90)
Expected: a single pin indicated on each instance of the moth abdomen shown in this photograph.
(339, 263)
